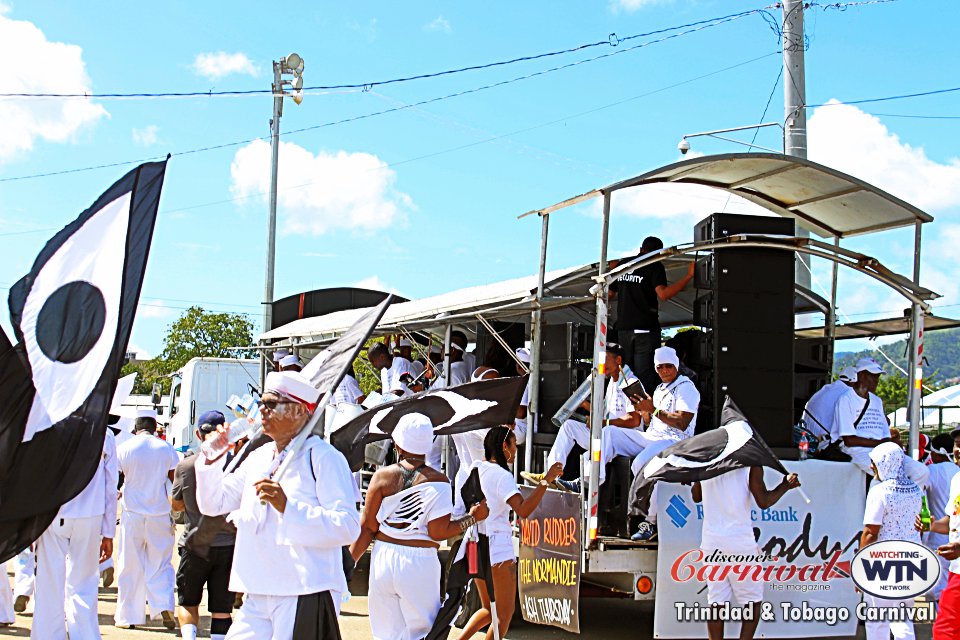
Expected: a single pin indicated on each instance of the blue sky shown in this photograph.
(424, 200)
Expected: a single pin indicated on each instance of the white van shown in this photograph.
(201, 385)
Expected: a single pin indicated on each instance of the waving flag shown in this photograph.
(72, 315)
(465, 407)
(734, 445)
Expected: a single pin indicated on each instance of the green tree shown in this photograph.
(893, 391)
(195, 334)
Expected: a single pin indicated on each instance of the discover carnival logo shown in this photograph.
(895, 569)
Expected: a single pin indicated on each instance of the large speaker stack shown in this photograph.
(746, 304)
(811, 371)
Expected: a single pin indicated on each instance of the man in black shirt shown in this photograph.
(638, 295)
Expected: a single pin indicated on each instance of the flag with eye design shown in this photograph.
(464, 407)
(72, 315)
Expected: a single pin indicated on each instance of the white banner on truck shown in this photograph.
(808, 590)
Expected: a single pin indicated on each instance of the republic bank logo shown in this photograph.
(678, 511)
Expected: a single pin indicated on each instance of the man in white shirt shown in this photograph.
(942, 471)
(862, 424)
(459, 338)
(69, 552)
(728, 501)
(293, 505)
(671, 416)
(819, 412)
(521, 421)
(392, 370)
(144, 563)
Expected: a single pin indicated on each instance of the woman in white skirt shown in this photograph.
(502, 496)
(407, 512)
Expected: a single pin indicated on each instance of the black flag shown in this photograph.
(464, 407)
(734, 445)
(72, 315)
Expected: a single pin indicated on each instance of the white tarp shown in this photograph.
(948, 398)
(822, 534)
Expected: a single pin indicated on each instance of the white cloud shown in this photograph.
(848, 139)
(375, 283)
(142, 354)
(322, 192)
(214, 66)
(632, 5)
(55, 67)
(146, 136)
(439, 24)
(153, 309)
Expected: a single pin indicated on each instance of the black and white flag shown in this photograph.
(734, 445)
(464, 407)
(72, 315)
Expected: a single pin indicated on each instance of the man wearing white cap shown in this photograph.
(145, 574)
(670, 416)
(69, 551)
(862, 424)
(293, 506)
(819, 412)
(290, 363)
(405, 347)
(408, 513)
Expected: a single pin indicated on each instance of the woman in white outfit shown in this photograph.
(892, 507)
(408, 512)
(502, 495)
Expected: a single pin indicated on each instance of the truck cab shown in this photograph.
(201, 385)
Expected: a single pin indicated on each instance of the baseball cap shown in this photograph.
(849, 374)
(210, 420)
(869, 365)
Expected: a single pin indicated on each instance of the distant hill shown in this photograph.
(941, 350)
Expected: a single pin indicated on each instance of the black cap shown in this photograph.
(210, 420)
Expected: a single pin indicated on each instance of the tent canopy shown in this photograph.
(940, 407)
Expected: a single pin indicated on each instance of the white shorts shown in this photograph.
(501, 548)
(733, 590)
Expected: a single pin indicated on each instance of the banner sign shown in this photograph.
(804, 557)
(549, 567)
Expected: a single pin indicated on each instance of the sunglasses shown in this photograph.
(273, 404)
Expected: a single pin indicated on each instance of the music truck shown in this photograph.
(760, 335)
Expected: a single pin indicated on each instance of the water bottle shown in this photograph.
(804, 446)
(240, 428)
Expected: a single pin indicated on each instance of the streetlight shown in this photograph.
(684, 145)
(288, 71)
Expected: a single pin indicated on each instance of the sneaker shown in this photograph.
(646, 532)
(107, 575)
(168, 620)
(20, 604)
(573, 486)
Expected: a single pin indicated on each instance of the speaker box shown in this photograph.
(812, 355)
(565, 360)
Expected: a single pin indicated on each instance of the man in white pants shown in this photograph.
(24, 578)
(862, 424)
(69, 553)
(618, 414)
(144, 563)
(293, 505)
(942, 471)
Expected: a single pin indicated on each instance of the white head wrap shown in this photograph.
(292, 385)
(414, 434)
(666, 355)
(147, 413)
(288, 361)
(523, 354)
(404, 342)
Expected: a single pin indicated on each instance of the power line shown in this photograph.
(903, 96)
(715, 22)
(612, 40)
(916, 116)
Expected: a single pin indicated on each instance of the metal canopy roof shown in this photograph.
(823, 200)
(874, 328)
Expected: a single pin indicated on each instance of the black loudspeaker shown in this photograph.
(747, 307)
(565, 359)
(811, 370)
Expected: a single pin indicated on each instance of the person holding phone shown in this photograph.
(503, 496)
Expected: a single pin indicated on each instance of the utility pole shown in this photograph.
(292, 64)
(795, 107)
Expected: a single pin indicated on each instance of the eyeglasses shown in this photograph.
(273, 404)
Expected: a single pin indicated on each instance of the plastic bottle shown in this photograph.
(804, 446)
(925, 519)
(240, 428)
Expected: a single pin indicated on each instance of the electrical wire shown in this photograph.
(904, 96)
(612, 40)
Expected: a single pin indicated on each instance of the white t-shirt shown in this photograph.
(872, 425)
(727, 503)
(390, 376)
(459, 373)
(144, 461)
(679, 395)
(895, 509)
(498, 486)
(953, 510)
(616, 403)
(347, 391)
(821, 408)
